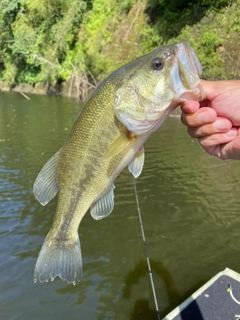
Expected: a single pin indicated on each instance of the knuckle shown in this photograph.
(206, 142)
(222, 155)
(188, 120)
(183, 119)
(192, 132)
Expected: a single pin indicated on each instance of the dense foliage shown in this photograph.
(79, 41)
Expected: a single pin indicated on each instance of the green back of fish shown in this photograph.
(85, 171)
(99, 146)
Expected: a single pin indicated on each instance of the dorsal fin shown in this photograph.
(136, 166)
(45, 186)
(104, 206)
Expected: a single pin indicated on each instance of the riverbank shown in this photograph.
(68, 51)
(64, 89)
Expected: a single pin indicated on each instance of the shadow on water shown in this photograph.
(142, 309)
(141, 270)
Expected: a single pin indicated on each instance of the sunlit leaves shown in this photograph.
(62, 40)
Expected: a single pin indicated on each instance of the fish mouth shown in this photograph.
(188, 58)
(185, 73)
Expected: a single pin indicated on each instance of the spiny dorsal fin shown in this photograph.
(136, 166)
(45, 186)
(104, 206)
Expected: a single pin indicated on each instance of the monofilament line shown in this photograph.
(146, 251)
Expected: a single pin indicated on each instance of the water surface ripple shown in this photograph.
(190, 208)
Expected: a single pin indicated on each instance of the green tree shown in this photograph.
(76, 41)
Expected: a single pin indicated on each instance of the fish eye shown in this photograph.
(157, 64)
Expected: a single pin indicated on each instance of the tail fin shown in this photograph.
(59, 259)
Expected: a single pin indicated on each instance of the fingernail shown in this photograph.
(231, 133)
(222, 124)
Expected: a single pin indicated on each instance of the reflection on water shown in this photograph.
(189, 203)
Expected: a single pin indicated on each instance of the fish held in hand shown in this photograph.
(109, 134)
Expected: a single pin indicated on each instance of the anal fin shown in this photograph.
(104, 206)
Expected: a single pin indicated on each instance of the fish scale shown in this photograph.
(108, 134)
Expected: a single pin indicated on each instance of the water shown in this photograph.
(190, 209)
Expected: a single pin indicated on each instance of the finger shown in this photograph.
(220, 125)
(230, 150)
(213, 140)
(190, 106)
(224, 98)
(200, 117)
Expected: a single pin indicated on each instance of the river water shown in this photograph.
(190, 207)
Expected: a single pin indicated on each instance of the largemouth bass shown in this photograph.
(109, 134)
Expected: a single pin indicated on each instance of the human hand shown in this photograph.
(215, 121)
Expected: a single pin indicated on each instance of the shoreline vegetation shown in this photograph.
(67, 47)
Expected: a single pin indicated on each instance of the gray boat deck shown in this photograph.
(218, 299)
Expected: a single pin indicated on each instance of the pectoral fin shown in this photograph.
(117, 146)
(103, 207)
(45, 186)
(135, 167)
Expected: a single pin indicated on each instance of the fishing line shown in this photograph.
(146, 251)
